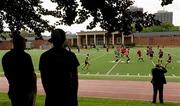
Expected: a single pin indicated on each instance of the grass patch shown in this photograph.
(83, 101)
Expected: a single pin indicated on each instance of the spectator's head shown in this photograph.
(158, 66)
(57, 37)
(19, 43)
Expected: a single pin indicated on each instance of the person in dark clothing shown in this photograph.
(139, 53)
(58, 68)
(160, 56)
(19, 71)
(169, 60)
(158, 80)
(86, 63)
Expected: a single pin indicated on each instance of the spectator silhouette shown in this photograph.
(158, 80)
(58, 68)
(19, 71)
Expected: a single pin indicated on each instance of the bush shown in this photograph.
(130, 45)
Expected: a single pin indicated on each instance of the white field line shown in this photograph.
(118, 75)
(99, 57)
(113, 67)
(153, 63)
(94, 58)
(84, 53)
(173, 75)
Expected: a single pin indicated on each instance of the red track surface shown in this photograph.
(134, 90)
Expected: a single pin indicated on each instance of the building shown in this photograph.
(90, 38)
(99, 38)
(71, 38)
(6, 44)
(164, 16)
(157, 38)
(32, 43)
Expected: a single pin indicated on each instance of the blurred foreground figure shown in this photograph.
(19, 71)
(58, 68)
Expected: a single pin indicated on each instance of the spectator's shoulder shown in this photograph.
(26, 54)
(7, 54)
(153, 69)
(67, 52)
(72, 53)
(47, 52)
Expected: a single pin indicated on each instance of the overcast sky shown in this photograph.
(150, 6)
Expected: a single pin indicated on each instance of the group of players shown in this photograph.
(121, 51)
(150, 53)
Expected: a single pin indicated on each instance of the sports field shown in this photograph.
(102, 65)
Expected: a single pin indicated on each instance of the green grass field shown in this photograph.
(4, 101)
(103, 67)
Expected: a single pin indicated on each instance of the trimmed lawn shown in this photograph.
(4, 101)
(102, 65)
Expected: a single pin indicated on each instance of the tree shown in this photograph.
(163, 27)
(114, 16)
(166, 2)
(25, 33)
(111, 14)
(24, 14)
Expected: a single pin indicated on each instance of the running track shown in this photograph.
(134, 90)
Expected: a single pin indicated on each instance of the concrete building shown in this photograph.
(147, 38)
(99, 38)
(6, 44)
(71, 38)
(164, 16)
(157, 38)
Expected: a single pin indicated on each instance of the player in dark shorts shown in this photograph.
(86, 62)
(151, 54)
(147, 51)
(160, 56)
(140, 55)
(128, 59)
(169, 60)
